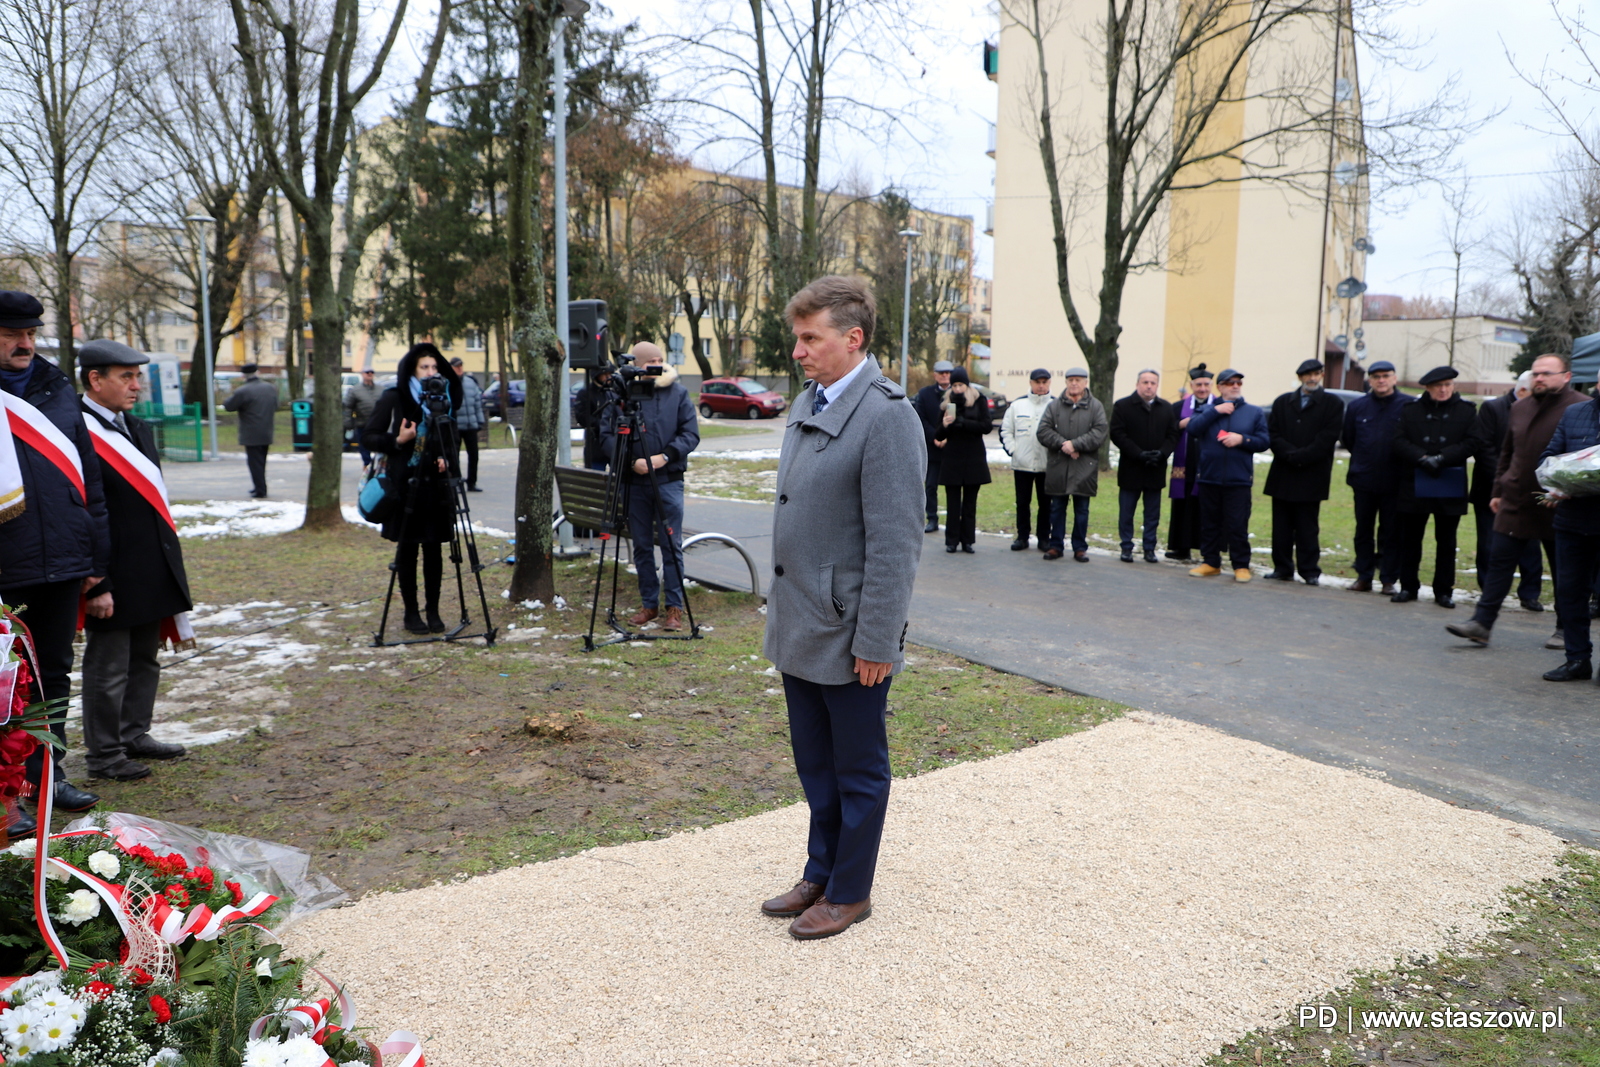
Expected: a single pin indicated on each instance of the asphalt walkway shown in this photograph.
(1341, 678)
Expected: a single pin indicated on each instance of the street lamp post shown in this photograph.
(905, 312)
(205, 326)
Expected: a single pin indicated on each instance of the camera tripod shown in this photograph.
(630, 438)
(440, 443)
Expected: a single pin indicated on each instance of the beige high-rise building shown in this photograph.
(1245, 272)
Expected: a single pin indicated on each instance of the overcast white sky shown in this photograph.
(949, 170)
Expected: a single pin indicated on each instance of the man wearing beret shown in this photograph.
(256, 402)
(59, 545)
(1369, 425)
(1305, 425)
(1225, 437)
(121, 668)
(1435, 438)
(1028, 460)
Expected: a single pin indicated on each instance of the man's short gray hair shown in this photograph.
(848, 302)
(1148, 370)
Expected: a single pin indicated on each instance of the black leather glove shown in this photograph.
(1151, 456)
(1431, 464)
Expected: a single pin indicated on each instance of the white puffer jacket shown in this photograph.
(1017, 432)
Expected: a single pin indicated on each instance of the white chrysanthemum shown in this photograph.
(82, 905)
(167, 1057)
(51, 1001)
(303, 1052)
(26, 848)
(22, 1051)
(263, 1052)
(105, 864)
(56, 874)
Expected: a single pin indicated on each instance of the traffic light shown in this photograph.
(588, 343)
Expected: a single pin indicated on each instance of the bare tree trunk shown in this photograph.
(540, 349)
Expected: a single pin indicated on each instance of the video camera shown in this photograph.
(435, 399)
(635, 381)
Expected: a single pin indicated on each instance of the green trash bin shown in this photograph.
(300, 420)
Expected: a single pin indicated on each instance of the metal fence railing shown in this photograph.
(176, 428)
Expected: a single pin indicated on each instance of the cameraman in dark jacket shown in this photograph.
(670, 434)
(1436, 437)
(590, 407)
(1369, 426)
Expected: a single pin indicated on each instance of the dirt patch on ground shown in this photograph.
(397, 767)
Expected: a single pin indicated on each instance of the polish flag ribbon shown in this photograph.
(134, 466)
(32, 426)
(201, 922)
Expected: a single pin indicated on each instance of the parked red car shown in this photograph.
(739, 398)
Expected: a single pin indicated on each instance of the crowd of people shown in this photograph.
(1414, 462)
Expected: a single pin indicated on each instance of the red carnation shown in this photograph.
(140, 976)
(202, 875)
(96, 968)
(176, 895)
(237, 890)
(162, 1011)
(99, 990)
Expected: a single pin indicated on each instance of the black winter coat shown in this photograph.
(1494, 416)
(1303, 440)
(1369, 429)
(432, 518)
(1135, 429)
(964, 459)
(59, 536)
(926, 404)
(1429, 428)
(146, 559)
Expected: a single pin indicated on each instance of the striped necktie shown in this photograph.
(819, 402)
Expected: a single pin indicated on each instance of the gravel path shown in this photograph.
(1137, 894)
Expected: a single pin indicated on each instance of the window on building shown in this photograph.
(474, 341)
(181, 345)
(675, 350)
(278, 346)
(705, 347)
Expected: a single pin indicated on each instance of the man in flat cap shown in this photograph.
(1017, 437)
(1369, 426)
(929, 407)
(256, 402)
(1435, 438)
(1072, 429)
(1225, 437)
(60, 544)
(121, 668)
(1183, 531)
(1305, 425)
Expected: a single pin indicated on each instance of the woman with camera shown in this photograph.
(964, 464)
(420, 465)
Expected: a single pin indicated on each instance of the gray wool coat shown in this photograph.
(1087, 428)
(256, 401)
(846, 531)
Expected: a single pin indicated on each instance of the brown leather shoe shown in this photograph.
(674, 619)
(802, 896)
(643, 616)
(825, 918)
(1387, 589)
(1361, 585)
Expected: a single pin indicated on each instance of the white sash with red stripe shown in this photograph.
(31, 426)
(12, 497)
(122, 456)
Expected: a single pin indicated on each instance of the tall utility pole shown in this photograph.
(905, 312)
(205, 325)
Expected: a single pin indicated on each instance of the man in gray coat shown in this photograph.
(1072, 430)
(846, 538)
(256, 402)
